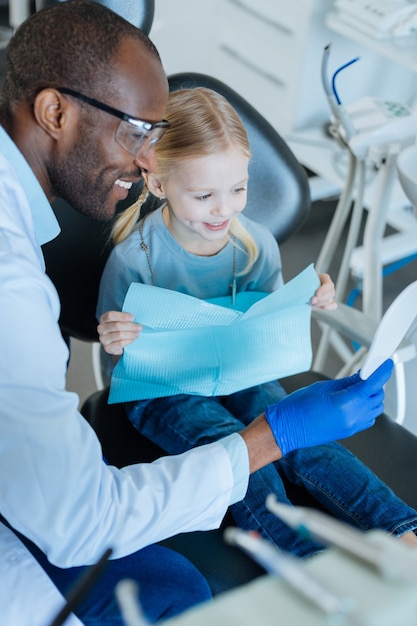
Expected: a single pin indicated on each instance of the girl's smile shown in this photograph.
(216, 226)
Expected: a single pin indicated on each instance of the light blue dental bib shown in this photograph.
(207, 348)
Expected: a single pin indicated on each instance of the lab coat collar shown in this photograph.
(45, 222)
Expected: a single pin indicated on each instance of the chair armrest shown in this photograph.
(360, 328)
(348, 321)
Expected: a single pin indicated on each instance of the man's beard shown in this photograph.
(74, 181)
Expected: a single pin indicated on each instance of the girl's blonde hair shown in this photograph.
(202, 123)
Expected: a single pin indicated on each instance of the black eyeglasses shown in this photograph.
(133, 134)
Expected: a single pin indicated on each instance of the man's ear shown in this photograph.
(154, 184)
(51, 111)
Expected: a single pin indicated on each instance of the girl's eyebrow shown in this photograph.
(194, 189)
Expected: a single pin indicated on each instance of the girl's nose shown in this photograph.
(221, 208)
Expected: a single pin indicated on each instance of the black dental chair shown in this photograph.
(75, 261)
(137, 12)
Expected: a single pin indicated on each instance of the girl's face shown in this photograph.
(203, 196)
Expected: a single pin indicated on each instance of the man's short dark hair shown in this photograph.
(68, 44)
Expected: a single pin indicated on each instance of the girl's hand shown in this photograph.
(116, 330)
(324, 296)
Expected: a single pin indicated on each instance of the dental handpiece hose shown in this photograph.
(290, 569)
(386, 554)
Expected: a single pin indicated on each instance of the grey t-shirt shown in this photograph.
(174, 268)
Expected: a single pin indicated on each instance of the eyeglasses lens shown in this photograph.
(136, 140)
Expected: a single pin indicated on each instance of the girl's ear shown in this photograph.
(153, 184)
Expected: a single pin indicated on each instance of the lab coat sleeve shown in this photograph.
(54, 486)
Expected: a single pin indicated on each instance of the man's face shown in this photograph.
(93, 172)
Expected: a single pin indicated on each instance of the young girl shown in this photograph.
(199, 243)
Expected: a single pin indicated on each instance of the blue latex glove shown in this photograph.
(328, 410)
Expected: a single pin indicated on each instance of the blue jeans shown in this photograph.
(168, 584)
(333, 476)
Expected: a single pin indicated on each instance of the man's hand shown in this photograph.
(116, 330)
(328, 410)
